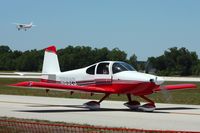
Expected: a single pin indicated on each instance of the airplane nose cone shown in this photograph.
(159, 80)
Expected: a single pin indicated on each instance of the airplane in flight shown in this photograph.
(108, 77)
(24, 26)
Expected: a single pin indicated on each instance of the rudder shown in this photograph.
(50, 62)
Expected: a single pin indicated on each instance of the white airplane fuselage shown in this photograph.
(24, 26)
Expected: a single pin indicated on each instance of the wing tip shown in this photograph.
(22, 84)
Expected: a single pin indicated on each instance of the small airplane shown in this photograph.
(24, 26)
(108, 77)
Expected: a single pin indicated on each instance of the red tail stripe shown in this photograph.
(51, 49)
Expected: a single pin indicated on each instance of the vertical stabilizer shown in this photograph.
(50, 63)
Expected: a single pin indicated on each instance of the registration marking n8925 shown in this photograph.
(68, 80)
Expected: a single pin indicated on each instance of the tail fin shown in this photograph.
(50, 63)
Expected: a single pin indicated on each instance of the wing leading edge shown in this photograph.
(62, 87)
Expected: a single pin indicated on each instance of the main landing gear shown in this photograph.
(135, 105)
(94, 105)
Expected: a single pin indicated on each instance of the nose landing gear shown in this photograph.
(135, 105)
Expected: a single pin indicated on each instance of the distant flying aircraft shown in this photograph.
(108, 77)
(24, 26)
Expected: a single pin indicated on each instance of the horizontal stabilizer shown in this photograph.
(28, 73)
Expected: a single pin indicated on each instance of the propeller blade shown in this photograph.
(165, 93)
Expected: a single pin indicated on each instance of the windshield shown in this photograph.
(121, 66)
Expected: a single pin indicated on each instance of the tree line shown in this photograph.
(69, 58)
(173, 62)
(176, 61)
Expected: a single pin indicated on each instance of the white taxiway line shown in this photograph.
(113, 114)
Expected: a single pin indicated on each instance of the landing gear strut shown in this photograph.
(135, 105)
(94, 105)
(148, 107)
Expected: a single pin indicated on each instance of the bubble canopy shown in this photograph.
(121, 66)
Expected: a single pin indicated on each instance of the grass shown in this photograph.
(181, 96)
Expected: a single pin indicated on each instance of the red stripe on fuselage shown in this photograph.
(119, 86)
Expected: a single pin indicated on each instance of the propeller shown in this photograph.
(146, 67)
(159, 81)
(165, 93)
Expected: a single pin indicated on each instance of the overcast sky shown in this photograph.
(143, 27)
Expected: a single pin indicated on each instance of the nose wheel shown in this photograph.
(148, 107)
(135, 105)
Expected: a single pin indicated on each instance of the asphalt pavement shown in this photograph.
(175, 117)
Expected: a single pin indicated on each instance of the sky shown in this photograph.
(142, 27)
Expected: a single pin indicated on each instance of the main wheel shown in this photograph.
(92, 105)
(149, 107)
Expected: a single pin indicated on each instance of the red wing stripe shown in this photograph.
(177, 87)
(62, 86)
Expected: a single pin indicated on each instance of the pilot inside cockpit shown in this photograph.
(105, 69)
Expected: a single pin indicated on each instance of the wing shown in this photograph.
(62, 87)
(176, 87)
(16, 23)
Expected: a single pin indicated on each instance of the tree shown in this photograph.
(6, 58)
(196, 69)
(133, 61)
(4, 49)
(116, 54)
(175, 62)
(100, 54)
(29, 61)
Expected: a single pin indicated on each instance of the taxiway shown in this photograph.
(113, 114)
